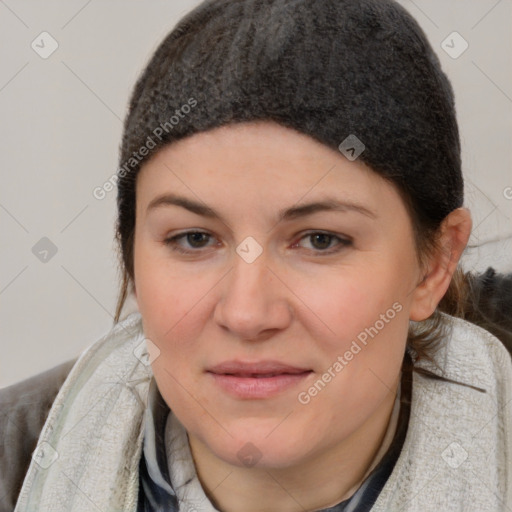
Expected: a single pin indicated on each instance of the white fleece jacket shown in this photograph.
(457, 454)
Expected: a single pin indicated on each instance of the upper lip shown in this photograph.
(255, 368)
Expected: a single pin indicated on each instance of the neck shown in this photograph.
(320, 481)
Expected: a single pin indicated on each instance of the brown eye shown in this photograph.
(194, 239)
(322, 241)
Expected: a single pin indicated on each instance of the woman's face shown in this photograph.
(281, 326)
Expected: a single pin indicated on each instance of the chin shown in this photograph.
(256, 448)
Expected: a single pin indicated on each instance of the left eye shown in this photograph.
(324, 241)
(195, 240)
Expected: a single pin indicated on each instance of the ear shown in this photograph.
(455, 232)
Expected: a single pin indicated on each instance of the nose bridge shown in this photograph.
(248, 277)
(253, 300)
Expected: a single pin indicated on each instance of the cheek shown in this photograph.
(164, 295)
(362, 349)
(171, 309)
(364, 321)
(170, 305)
(347, 302)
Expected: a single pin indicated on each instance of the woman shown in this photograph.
(290, 215)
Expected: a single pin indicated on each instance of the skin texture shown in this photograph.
(293, 303)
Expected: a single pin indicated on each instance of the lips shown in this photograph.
(257, 380)
(259, 369)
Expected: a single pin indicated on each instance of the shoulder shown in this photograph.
(458, 448)
(24, 407)
(474, 428)
(474, 355)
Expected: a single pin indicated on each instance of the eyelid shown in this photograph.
(172, 241)
(343, 241)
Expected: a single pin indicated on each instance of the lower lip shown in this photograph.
(258, 387)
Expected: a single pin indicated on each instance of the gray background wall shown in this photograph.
(60, 129)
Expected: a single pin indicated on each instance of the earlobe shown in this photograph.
(455, 232)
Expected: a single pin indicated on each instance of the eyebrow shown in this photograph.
(294, 212)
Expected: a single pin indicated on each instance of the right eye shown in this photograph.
(194, 238)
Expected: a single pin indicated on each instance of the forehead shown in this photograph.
(258, 163)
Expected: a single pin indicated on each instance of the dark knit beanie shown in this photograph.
(327, 68)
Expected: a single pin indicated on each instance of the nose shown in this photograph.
(254, 302)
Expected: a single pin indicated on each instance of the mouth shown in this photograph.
(260, 368)
(261, 375)
(257, 380)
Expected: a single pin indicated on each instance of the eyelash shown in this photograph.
(173, 245)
